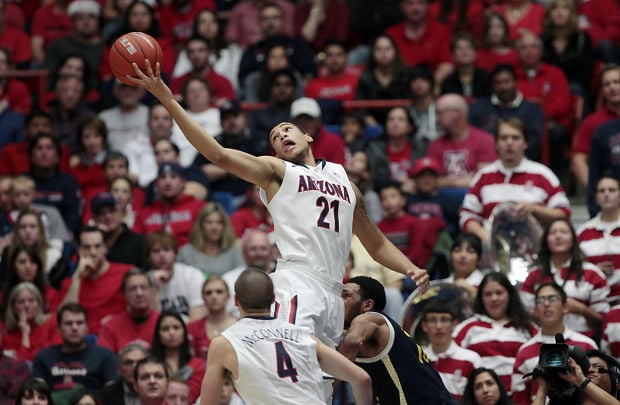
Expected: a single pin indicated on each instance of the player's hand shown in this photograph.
(421, 278)
(151, 80)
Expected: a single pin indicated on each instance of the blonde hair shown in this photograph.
(23, 181)
(197, 237)
(10, 318)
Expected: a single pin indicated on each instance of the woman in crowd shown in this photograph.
(213, 245)
(34, 391)
(465, 256)
(567, 47)
(121, 189)
(72, 65)
(29, 231)
(459, 15)
(26, 266)
(484, 387)
(215, 295)
(560, 260)
(87, 166)
(383, 78)
(171, 344)
(28, 328)
(499, 326)
(497, 47)
(521, 16)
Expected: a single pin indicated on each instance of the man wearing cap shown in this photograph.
(124, 246)
(84, 41)
(306, 114)
(96, 283)
(428, 200)
(172, 211)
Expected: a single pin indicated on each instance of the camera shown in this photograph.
(553, 360)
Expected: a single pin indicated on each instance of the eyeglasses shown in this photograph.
(549, 298)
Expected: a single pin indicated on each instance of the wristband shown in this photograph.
(584, 384)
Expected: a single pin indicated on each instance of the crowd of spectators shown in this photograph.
(119, 241)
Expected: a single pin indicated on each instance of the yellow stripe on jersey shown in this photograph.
(394, 376)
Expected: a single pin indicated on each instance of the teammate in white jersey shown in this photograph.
(314, 207)
(272, 361)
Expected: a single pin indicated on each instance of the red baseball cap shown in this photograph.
(425, 163)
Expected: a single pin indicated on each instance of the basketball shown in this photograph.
(133, 47)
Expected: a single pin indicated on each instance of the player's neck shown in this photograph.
(254, 313)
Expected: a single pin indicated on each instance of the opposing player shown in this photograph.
(315, 209)
(272, 361)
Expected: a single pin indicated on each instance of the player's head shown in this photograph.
(289, 142)
(362, 294)
(254, 290)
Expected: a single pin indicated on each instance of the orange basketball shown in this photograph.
(133, 47)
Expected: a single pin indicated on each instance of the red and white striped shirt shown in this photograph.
(600, 242)
(494, 184)
(524, 391)
(496, 343)
(591, 290)
(454, 366)
(610, 342)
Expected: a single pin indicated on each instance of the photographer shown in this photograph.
(592, 391)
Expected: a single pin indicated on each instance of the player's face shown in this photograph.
(439, 327)
(178, 393)
(215, 295)
(560, 238)
(486, 390)
(392, 202)
(352, 302)
(128, 363)
(171, 332)
(549, 307)
(152, 382)
(73, 328)
(464, 259)
(28, 230)
(138, 292)
(610, 86)
(25, 267)
(26, 303)
(288, 142)
(495, 300)
(608, 194)
(510, 144)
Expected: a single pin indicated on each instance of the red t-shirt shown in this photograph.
(400, 162)
(177, 25)
(101, 297)
(432, 48)
(221, 88)
(487, 60)
(18, 96)
(532, 20)
(41, 336)
(50, 23)
(14, 158)
(585, 131)
(474, 18)
(119, 330)
(244, 219)
(333, 87)
(328, 146)
(17, 43)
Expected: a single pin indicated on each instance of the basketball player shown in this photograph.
(314, 208)
(400, 370)
(272, 361)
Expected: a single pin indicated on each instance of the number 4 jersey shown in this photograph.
(313, 219)
(277, 362)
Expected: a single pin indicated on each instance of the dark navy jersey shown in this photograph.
(403, 374)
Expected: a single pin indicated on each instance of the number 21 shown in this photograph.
(327, 206)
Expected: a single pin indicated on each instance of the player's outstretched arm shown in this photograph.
(337, 365)
(381, 249)
(217, 366)
(256, 170)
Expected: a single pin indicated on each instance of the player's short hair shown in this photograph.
(254, 289)
(371, 289)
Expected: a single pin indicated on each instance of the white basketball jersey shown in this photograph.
(313, 218)
(277, 363)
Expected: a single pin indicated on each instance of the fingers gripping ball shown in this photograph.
(133, 47)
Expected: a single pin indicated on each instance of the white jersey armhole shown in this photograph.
(387, 348)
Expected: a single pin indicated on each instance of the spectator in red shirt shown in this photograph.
(321, 21)
(521, 16)
(601, 19)
(199, 53)
(422, 40)
(496, 44)
(176, 18)
(50, 22)
(337, 84)
(546, 84)
(16, 42)
(610, 93)
(306, 114)
(12, 91)
(87, 165)
(459, 15)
